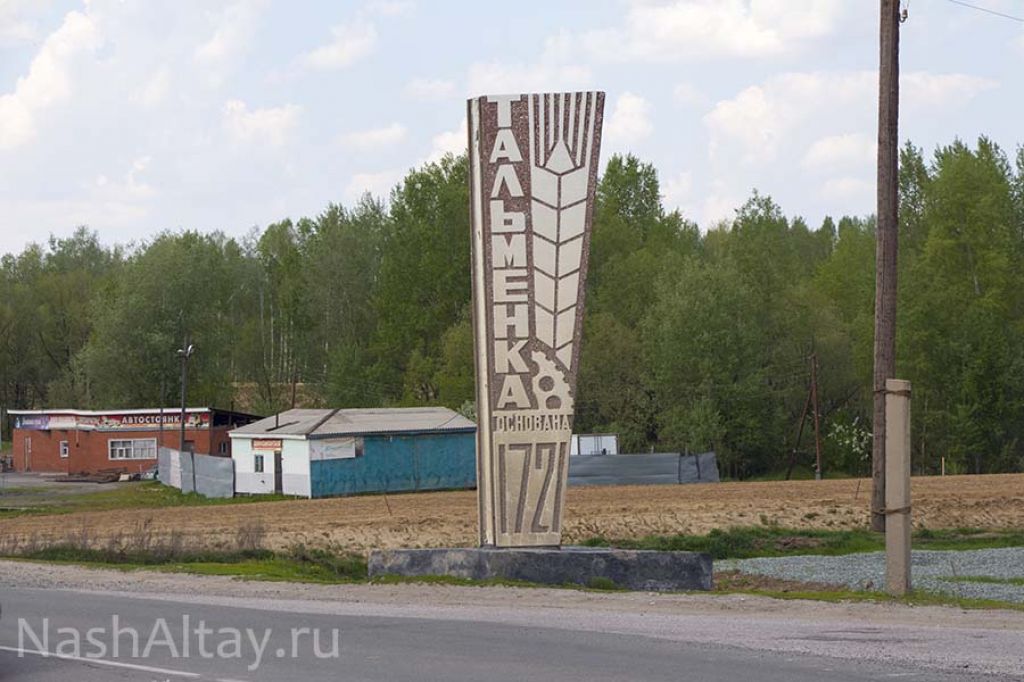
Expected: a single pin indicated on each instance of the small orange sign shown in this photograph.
(274, 444)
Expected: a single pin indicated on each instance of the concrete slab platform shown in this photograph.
(588, 566)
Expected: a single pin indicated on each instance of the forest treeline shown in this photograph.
(693, 339)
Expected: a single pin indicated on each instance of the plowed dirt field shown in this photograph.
(449, 518)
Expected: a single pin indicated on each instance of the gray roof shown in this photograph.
(355, 422)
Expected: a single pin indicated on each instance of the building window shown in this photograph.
(64, 449)
(359, 447)
(258, 465)
(223, 447)
(132, 449)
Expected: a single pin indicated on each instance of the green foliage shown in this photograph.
(424, 280)
(599, 582)
(455, 375)
(692, 341)
(298, 564)
(141, 557)
(314, 561)
(770, 541)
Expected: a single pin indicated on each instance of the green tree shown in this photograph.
(424, 277)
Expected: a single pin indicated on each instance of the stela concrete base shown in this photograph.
(588, 566)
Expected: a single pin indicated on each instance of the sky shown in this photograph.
(133, 117)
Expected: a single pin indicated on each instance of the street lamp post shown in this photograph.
(184, 353)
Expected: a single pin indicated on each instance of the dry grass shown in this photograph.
(449, 518)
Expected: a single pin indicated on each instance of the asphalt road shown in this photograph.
(211, 641)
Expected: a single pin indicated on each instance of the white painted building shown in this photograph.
(318, 453)
(594, 444)
(259, 461)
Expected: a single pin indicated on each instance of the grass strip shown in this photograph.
(298, 564)
(985, 579)
(134, 495)
(307, 565)
(757, 541)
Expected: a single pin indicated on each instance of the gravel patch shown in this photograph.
(932, 571)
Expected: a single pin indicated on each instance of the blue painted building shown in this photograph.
(324, 453)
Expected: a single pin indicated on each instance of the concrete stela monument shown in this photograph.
(533, 164)
(533, 174)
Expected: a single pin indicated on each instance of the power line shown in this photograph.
(987, 10)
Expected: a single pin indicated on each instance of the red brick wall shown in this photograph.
(88, 451)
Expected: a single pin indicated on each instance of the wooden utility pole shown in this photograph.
(799, 436)
(887, 239)
(817, 416)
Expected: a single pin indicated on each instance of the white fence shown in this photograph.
(214, 476)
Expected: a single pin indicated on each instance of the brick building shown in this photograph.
(85, 441)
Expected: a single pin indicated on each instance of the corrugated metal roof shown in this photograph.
(354, 422)
(101, 413)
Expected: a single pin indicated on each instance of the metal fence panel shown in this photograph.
(186, 471)
(702, 468)
(645, 469)
(169, 467)
(624, 469)
(215, 476)
(164, 458)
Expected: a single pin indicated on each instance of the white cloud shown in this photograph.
(491, 77)
(677, 192)
(851, 149)
(814, 131)
(759, 118)
(630, 121)
(155, 90)
(449, 142)
(754, 124)
(720, 205)
(687, 95)
(847, 188)
(378, 184)
(375, 138)
(391, 8)
(130, 189)
(268, 126)
(48, 81)
(350, 43)
(924, 90)
(430, 89)
(56, 214)
(705, 29)
(235, 30)
(15, 31)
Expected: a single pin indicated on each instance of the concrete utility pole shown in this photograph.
(897, 489)
(887, 242)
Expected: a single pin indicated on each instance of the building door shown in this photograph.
(278, 478)
(28, 454)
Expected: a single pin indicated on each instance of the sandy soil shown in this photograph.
(449, 518)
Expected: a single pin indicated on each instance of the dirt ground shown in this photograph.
(449, 518)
